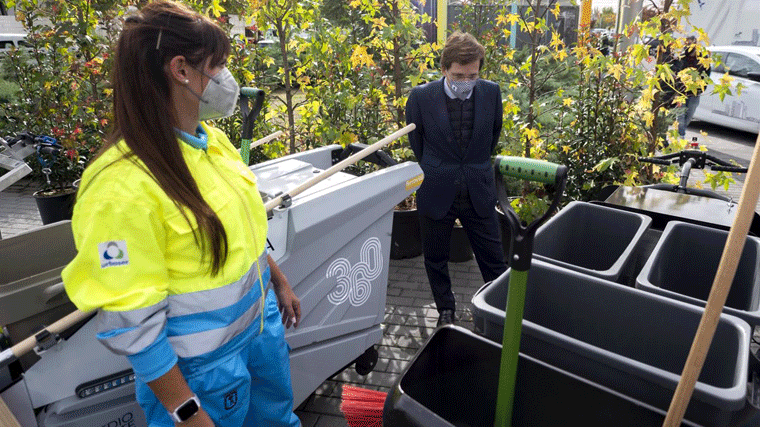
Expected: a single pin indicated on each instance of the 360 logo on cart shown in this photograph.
(355, 281)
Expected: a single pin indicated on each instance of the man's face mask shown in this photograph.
(220, 96)
(462, 88)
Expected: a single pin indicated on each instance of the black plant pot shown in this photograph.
(406, 239)
(461, 250)
(55, 207)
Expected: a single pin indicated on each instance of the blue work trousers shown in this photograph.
(246, 382)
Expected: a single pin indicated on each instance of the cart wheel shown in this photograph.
(365, 363)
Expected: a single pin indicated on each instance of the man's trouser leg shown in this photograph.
(436, 246)
(483, 234)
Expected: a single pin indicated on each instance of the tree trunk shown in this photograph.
(397, 69)
(288, 86)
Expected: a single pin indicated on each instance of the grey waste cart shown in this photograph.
(683, 266)
(334, 245)
(593, 239)
(630, 341)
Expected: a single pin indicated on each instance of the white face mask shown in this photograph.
(220, 96)
(462, 89)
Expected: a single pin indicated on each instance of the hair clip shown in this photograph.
(158, 41)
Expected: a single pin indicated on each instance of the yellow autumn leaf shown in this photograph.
(615, 70)
(360, 57)
(566, 148)
(379, 23)
(567, 102)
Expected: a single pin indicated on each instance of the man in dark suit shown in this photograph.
(458, 121)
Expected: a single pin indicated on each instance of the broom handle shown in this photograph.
(719, 292)
(263, 140)
(6, 416)
(266, 139)
(340, 166)
(59, 326)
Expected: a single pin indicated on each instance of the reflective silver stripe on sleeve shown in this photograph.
(130, 332)
(192, 345)
(214, 299)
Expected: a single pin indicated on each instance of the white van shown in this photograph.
(9, 40)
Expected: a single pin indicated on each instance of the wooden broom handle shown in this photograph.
(6, 416)
(719, 292)
(59, 326)
(340, 166)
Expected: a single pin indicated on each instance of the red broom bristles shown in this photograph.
(362, 407)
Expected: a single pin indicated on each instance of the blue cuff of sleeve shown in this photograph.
(155, 360)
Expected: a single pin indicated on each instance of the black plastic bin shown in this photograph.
(633, 342)
(453, 381)
(593, 239)
(684, 262)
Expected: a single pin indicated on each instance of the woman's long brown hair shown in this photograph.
(143, 113)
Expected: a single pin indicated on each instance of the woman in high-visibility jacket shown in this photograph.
(171, 233)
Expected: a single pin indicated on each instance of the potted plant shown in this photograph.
(406, 238)
(59, 168)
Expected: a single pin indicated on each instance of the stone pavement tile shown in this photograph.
(425, 303)
(348, 375)
(393, 292)
(396, 353)
(399, 301)
(307, 419)
(331, 421)
(408, 262)
(394, 319)
(382, 379)
(422, 321)
(391, 366)
(417, 311)
(323, 405)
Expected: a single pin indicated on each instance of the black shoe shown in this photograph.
(446, 317)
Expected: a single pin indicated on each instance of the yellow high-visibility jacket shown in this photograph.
(139, 262)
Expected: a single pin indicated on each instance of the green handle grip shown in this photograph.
(530, 169)
(251, 92)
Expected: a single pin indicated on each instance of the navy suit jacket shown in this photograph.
(440, 156)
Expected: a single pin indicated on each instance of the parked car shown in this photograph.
(12, 40)
(737, 112)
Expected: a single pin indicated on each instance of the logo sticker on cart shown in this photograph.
(414, 182)
(355, 281)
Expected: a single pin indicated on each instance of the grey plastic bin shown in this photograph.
(453, 381)
(619, 337)
(592, 239)
(683, 266)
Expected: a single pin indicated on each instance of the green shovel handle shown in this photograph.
(530, 169)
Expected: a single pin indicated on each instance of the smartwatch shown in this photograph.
(186, 410)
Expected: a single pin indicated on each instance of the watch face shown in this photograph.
(187, 410)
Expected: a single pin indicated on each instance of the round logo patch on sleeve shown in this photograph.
(113, 253)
